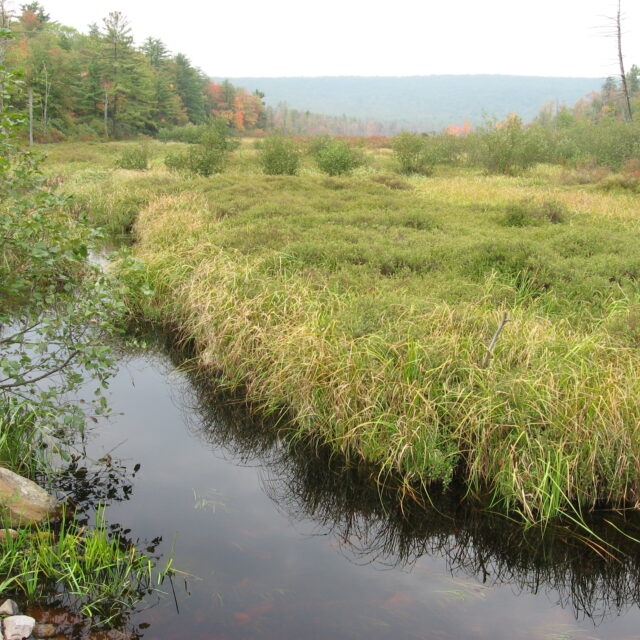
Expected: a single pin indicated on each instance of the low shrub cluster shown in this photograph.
(337, 157)
(134, 157)
(530, 212)
(507, 147)
(212, 145)
(279, 156)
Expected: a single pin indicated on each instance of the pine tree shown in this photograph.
(190, 85)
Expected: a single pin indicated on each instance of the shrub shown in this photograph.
(217, 136)
(508, 147)
(214, 134)
(415, 153)
(584, 173)
(190, 134)
(528, 212)
(200, 161)
(279, 156)
(209, 156)
(610, 143)
(338, 158)
(134, 158)
(318, 144)
(620, 181)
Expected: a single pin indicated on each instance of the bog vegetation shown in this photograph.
(446, 308)
(364, 304)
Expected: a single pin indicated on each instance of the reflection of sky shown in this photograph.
(260, 574)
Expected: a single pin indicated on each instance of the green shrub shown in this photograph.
(529, 212)
(134, 158)
(620, 182)
(218, 136)
(338, 158)
(508, 147)
(190, 134)
(610, 143)
(209, 156)
(318, 144)
(279, 156)
(415, 153)
(214, 134)
(200, 161)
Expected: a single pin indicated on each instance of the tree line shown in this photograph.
(99, 83)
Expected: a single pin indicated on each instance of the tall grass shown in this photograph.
(365, 312)
(96, 572)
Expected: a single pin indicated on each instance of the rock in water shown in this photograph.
(9, 608)
(26, 502)
(17, 627)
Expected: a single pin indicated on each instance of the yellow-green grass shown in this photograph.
(365, 311)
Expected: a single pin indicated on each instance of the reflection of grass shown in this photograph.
(565, 632)
(454, 594)
(365, 311)
(463, 590)
(212, 501)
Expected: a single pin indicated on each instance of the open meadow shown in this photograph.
(368, 308)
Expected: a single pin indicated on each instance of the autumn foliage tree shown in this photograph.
(101, 84)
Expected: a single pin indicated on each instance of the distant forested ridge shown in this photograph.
(421, 103)
(101, 84)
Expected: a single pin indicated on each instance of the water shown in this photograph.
(278, 545)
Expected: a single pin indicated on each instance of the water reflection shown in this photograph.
(594, 580)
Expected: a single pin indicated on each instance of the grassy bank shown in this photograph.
(364, 306)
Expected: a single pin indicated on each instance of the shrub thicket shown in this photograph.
(208, 156)
(338, 157)
(420, 153)
(508, 147)
(134, 158)
(529, 212)
(279, 156)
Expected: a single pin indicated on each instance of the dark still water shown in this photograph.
(277, 545)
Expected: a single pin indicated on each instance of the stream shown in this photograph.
(274, 543)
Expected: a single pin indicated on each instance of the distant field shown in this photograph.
(364, 306)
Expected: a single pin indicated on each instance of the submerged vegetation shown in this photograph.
(365, 306)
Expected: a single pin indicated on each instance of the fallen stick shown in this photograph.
(494, 340)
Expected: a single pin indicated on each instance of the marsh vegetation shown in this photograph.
(363, 305)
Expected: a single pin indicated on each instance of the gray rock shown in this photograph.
(9, 608)
(25, 501)
(18, 627)
(44, 630)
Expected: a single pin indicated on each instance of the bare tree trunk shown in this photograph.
(106, 114)
(4, 24)
(45, 102)
(623, 75)
(30, 94)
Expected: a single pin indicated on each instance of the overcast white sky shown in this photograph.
(375, 38)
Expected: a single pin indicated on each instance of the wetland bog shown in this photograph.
(363, 307)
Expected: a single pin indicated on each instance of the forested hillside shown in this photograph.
(100, 84)
(422, 103)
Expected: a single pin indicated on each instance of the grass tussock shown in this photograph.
(365, 310)
(96, 571)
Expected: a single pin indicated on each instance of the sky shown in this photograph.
(259, 38)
